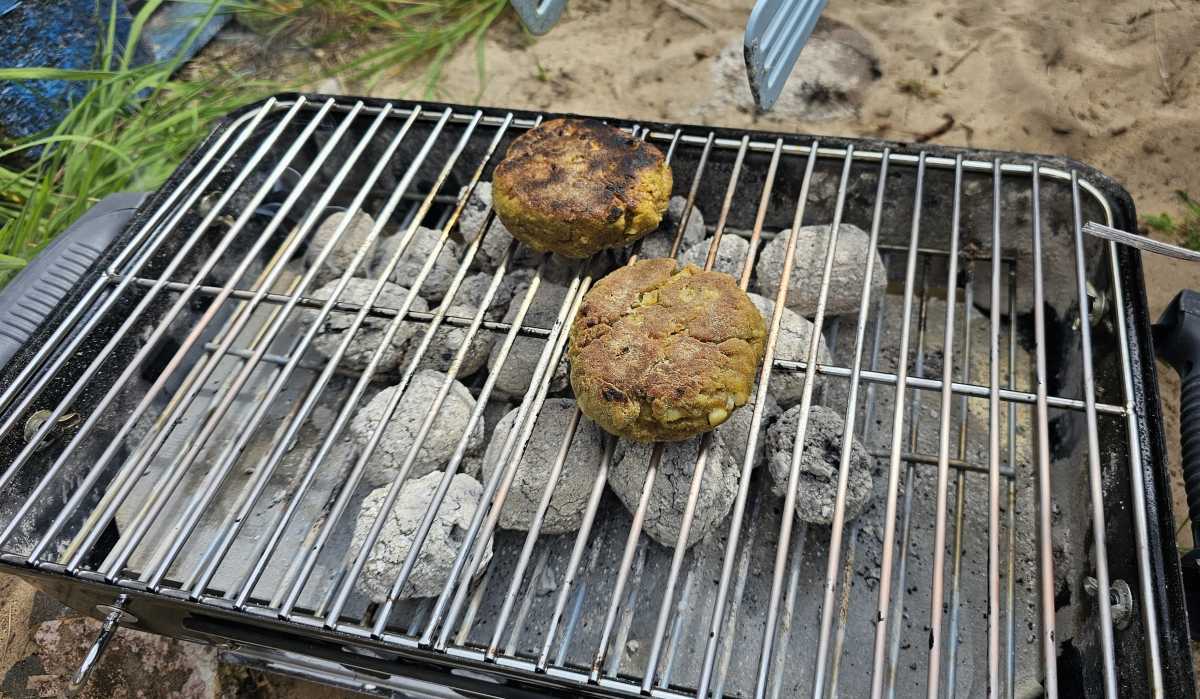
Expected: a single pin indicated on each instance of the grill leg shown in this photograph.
(116, 615)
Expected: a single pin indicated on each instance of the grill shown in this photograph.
(175, 454)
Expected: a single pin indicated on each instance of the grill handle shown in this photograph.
(1177, 341)
(36, 292)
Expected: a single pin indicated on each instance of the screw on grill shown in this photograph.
(61, 425)
(1119, 596)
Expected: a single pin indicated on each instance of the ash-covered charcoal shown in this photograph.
(339, 258)
(845, 281)
(401, 431)
(493, 413)
(658, 243)
(420, 248)
(370, 333)
(438, 551)
(732, 252)
(472, 466)
(735, 432)
(449, 338)
(575, 481)
(515, 377)
(474, 287)
(672, 483)
(816, 491)
(795, 334)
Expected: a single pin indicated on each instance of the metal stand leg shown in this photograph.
(116, 615)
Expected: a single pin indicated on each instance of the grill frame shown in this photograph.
(162, 613)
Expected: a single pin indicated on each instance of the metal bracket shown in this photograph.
(115, 615)
(775, 34)
(539, 16)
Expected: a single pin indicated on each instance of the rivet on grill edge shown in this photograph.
(36, 420)
(1120, 598)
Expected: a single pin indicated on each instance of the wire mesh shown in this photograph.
(215, 460)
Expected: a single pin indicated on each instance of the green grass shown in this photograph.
(1185, 229)
(404, 34)
(138, 122)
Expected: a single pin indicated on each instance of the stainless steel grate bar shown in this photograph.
(1046, 555)
(839, 511)
(656, 453)
(889, 536)
(1095, 476)
(126, 480)
(994, 448)
(142, 238)
(410, 371)
(174, 473)
(1010, 627)
(939, 532)
(159, 565)
(959, 494)
(689, 512)
(198, 580)
(83, 380)
(1154, 664)
(739, 506)
(510, 456)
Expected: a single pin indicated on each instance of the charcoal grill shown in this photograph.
(173, 457)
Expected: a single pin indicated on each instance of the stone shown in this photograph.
(816, 491)
(422, 245)
(339, 258)
(658, 243)
(575, 480)
(401, 431)
(449, 338)
(672, 484)
(370, 334)
(845, 280)
(436, 558)
(791, 344)
(515, 377)
(731, 254)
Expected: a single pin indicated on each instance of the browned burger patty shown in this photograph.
(660, 353)
(575, 187)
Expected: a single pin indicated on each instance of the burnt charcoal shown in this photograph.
(845, 280)
(816, 491)
(438, 551)
(791, 344)
(339, 259)
(405, 423)
(575, 481)
(371, 332)
(421, 246)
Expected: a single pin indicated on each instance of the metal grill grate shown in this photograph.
(209, 464)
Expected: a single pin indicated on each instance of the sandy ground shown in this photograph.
(1112, 83)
